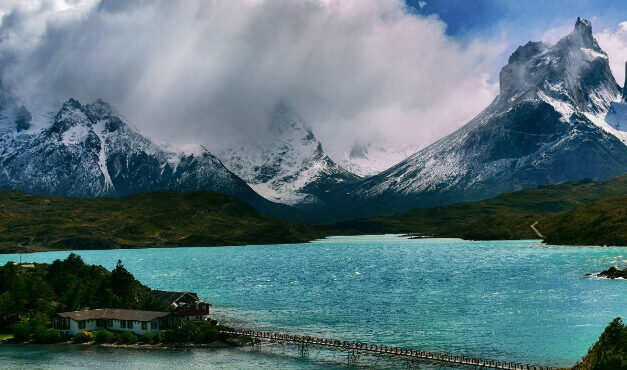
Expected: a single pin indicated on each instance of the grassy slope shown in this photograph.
(569, 213)
(161, 219)
(508, 216)
(599, 223)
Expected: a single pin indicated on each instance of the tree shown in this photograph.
(122, 281)
(610, 351)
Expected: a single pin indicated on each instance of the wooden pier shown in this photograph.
(355, 349)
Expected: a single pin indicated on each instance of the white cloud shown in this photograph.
(422, 4)
(614, 42)
(209, 71)
(554, 34)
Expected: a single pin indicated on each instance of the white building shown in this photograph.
(138, 322)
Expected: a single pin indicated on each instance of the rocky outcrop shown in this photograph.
(611, 273)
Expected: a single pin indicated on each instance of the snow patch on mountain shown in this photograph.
(75, 135)
(562, 107)
(99, 128)
(617, 116)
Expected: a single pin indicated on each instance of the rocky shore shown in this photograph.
(611, 273)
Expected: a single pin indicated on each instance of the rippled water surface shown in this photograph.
(513, 300)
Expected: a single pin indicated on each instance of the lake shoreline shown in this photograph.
(232, 343)
(4, 251)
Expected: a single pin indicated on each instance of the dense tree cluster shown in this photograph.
(32, 294)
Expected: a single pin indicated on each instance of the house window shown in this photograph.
(123, 324)
(109, 323)
(144, 325)
(129, 324)
(153, 325)
(81, 324)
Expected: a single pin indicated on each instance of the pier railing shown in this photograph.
(354, 349)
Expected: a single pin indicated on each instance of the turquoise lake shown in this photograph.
(507, 300)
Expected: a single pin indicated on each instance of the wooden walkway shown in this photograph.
(354, 349)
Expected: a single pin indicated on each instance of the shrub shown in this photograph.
(83, 337)
(199, 338)
(46, 335)
(211, 335)
(21, 331)
(104, 336)
(157, 338)
(128, 338)
(146, 338)
(197, 332)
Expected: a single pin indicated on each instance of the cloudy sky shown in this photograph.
(208, 72)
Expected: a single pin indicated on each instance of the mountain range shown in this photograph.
(89, 151)
(556, 119)
(559, 116)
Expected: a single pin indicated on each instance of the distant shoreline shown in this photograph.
(410, 236)
(235, 343)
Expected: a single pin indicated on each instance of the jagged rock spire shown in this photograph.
(583, 28)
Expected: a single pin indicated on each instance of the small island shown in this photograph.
(611, 273)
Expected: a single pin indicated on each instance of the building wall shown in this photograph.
(90, 325)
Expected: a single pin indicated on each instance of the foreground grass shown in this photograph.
(160, 219)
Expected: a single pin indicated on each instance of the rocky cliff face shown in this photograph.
(550, 123)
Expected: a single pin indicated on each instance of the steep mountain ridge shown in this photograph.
(89, 151)
(291, 169)
(546, 126)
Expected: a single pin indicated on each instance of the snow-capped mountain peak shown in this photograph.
(574, 73)
(554, 120)
(291, 167)
(573, 76)
(90, 151)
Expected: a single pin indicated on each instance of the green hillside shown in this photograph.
(599, 223)
(510, 215)
(584, 212)
(160, 219)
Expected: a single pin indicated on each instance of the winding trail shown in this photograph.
(533, 227)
